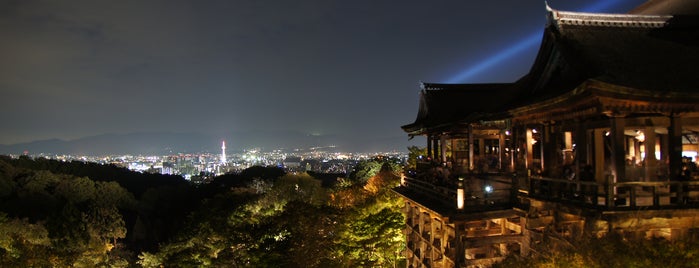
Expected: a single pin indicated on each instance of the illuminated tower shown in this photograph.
(223, 152)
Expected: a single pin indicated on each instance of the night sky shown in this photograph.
(70, 69)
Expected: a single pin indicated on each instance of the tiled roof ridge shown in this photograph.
(561, 18)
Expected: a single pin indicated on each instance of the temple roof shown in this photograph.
(652, 52)
(640, 51)
(664, 7)
(649, 52)
(444, 104)
(594, 98)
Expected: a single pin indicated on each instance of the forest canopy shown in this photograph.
(89, 215)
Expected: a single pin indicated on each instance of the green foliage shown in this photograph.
(7, 182)
(76, 190)
(265, 173)
(149, 260)
(366, 169)
(300, 187)
(214, 235)
(415, 153)
(111, 194)
(612, 251)
(52, 216)
(370, 231)
(289, 187)
(23, 243)
(65, 220)
(370, 237)
(301, 236)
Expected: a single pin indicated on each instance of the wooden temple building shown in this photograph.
(600, 136)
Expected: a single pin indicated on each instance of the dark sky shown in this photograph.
(71, 69)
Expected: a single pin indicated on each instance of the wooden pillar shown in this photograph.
(637, 147)
(662, 148)
(650, 162)
(546, 147)
(481, 149)
(550, 148)
(470, 148)
(501, 151)
(429, 147)
(598, 138)
(513, 149)
(631, 144)
(675, 146)
(582, 143)
(435, 149)
(459, 234)
(451, 152)
(618, 152)
(481, 154)
(529, 140)
(443, 149)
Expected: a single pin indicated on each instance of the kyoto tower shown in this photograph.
(223, 152)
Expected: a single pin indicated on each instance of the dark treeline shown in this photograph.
(137, 183)
(78, 214)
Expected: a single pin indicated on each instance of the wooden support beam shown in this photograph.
(618, 152)
(471, 164)
(529, 139)
(501, 151)
(598, 137)
(675, 147)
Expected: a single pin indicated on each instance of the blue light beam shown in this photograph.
(497, 58)
(519, 46)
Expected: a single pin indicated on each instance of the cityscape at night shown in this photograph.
(201, 167)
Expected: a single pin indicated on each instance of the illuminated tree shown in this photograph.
(23, 244)
(613, 250)
(414, 154)
(300, 187)
(216, 234)
(382, 182)
(371, 236)
(368, 168)
(365, 170)
(370, 231)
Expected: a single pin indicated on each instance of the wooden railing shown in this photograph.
(619, 195)
(491, 191)
(444, 195)
(583, 192)
(478, 193)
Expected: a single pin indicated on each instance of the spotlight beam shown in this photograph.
(523, 44)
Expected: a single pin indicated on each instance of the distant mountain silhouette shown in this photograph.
(160, 143)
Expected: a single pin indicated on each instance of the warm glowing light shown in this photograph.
(640, 136)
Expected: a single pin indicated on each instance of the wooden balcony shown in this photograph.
(494, 191)
(617, 196)
(469, 194)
